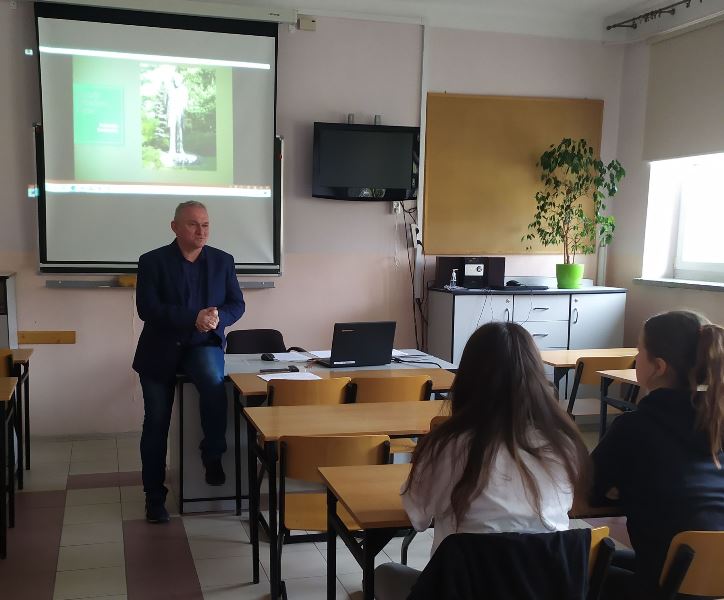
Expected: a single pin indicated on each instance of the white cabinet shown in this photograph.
(597, 320)
(556, 320)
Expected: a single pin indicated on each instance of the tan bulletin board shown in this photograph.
(480, 167)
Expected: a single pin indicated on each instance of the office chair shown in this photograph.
(256, 341)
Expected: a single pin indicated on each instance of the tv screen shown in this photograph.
(365, 162)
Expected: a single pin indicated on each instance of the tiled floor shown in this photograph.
(81, 533)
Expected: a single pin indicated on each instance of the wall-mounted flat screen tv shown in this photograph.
(365, 162)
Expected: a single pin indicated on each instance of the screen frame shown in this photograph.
(164, 21)
(342, 193)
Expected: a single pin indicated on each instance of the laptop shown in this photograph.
(363, 344)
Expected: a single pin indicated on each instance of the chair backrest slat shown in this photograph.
(405, 388)
(296, 392)
(6, 362)
(304, 455)
(254, 341)
(705, 576)
(591, 364)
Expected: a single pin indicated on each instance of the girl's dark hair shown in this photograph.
(500, 395)
(694, 350)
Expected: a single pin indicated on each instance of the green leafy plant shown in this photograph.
(571, 173)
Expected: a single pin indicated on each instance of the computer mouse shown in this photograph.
(293, 368)
(513, 283)
(267, 356)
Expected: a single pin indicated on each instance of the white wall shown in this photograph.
(342, 260)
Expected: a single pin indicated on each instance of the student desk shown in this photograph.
(21, 369)
(626, 376)
(8, 388)
(564, 360)
(272, 422)
(371, 494)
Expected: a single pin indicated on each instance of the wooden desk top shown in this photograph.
(371, 494)
(22, 356)
(7, 388)
(621, 375)
(391, 418)
(250, 384)
(568, 358)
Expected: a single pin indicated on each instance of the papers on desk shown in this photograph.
(328, 353)
(291, 356)
(270, 376)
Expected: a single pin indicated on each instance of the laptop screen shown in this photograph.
(362, 344)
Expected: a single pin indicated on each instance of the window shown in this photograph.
(685, 221)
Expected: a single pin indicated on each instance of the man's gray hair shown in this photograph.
(184, 205)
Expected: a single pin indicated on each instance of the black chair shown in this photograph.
(256, 341)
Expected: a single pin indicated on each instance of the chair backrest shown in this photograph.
(390, 389)
(704, 576)
(302, 456)
(254, 341)
(301, 392)
(437, 421)
(586, 367)
(6, 364)
(597, 536)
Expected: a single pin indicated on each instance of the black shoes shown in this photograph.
(214, 471)
(156, 511)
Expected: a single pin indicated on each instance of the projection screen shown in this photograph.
(142, 111)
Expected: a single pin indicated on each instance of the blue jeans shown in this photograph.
(204, 365)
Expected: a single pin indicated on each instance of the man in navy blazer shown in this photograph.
(187, 294)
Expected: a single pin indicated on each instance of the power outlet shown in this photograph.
(397, 207)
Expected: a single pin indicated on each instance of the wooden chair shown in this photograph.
(599, 559)
(586, 367)
(6, 362)
(413, 388)
(300, 459)
(302, 392)
(693, 565)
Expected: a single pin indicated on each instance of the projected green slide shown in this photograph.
(152, 122)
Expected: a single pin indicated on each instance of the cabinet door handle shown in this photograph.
(541, 308)
(540, 335)
(507, 315)
(575, 316)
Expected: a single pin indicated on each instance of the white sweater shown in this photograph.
(503, 506)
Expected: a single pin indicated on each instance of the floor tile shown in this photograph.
(95, 445)
(85, 454)
(133, 510)
(215, 572)
(45, 477)
(129, 464)
(306, 563)
(244, 591)
(91, 533)
(346, 563)
(212, 547)
(92, 513)
(109, 465)
(42, 452)
(312, 588)
(90, 582)
(91, 556)
(418, 554)
(132, 493)
(109, 495)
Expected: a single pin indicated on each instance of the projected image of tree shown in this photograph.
(178, 117)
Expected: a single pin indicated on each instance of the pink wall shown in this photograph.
(342, 260)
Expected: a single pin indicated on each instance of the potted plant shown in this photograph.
(569, 208)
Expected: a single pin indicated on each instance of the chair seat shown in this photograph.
(308, 512)
(591, 406)
(402, 445)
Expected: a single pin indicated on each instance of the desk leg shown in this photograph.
(11, 470)
(558, 374)
(331, 546)
(237, 450)
(180, 387)
(19, 425)
(4, 468)
(270, 449)
(26, 399)
(605, 384)
(251, 447)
